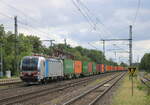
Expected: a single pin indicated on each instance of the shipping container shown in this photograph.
(77, 67)
(85, 67)
(68, 66)
(98, 66)
(53, 68)
(115, 68)
(107, 68)
(90, 67)
(94, 68)
(110, 68)
(102, 68)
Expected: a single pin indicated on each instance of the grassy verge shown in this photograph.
(123, 95)
(147, 75)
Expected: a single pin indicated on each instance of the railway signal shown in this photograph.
(132, 71)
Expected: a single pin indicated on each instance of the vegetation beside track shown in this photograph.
(124, 97)
(147, 75)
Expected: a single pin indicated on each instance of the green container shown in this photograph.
(68, 66)
(85, 67)
(94, 68)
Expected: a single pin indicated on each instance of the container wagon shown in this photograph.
(98, 68)
(68, 66)
(90, 67)
(94, 69)
(85, 68)
(77, 68)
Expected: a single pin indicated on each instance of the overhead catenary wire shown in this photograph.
(27, 25)
(23, 23)
(93, 46)
(82, 13)
(86, 16)
(87, 11)
(97, 19)
(137, 12)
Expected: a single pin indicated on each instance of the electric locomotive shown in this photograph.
(38, 69)
(32, 68)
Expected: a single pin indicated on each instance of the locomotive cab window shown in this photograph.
(29, 64)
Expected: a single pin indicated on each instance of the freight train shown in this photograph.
(38, 69)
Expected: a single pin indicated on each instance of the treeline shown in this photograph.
(27, 45)
(84, 54)
(145, 62)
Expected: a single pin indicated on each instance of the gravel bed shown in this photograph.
(28, 89)
(108, 97)
(62, 96)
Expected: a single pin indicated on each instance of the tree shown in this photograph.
(123, 64)
(145, 62)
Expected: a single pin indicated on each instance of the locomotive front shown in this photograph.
(30, 71)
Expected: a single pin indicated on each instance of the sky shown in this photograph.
(81, 22)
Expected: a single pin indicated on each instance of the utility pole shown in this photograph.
(1, 61)
(16, 49)
(51, 43)
(104, 54)
(130, 45)
(65, 42)
(130, 52)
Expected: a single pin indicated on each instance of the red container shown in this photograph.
(107, 68)
(110, 68)
(90, 67)
(115, 68)
(98, 66)
(102, 68)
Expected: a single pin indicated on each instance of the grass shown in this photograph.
(124, 97)
(147, 75)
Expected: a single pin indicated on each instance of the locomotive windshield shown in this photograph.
(29, 64)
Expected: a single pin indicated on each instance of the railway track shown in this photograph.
(11, 86)
(22, 88)
(27, 96)
(6, 84)
(91, 96)
(145, 81)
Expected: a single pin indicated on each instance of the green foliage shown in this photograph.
(144, 64)
(24, 48)
(123, 64)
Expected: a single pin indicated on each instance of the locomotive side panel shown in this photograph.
(54, 68)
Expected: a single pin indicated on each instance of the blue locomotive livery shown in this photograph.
(36, 69)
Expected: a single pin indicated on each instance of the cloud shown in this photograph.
(59, 19)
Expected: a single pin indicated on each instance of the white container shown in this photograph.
(54, 68)
(8, 74)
